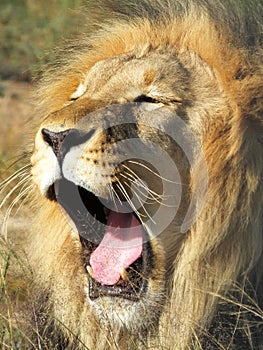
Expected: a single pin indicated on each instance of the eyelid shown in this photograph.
(146, 98)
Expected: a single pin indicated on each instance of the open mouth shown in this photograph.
(115, 250)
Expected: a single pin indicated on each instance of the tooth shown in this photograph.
(124, 275)
(90, 271)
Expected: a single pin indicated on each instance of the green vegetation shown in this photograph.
(29, 29)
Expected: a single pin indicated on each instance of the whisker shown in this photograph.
(112, 192)
(19, 184)
(149, 199)
(151, 195)
(156, 199)
(126, 196)
(142, 205)
(135, 180)
(150, 170)
(21, 172)
(23, 192)
(124, 192)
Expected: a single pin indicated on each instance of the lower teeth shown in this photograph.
(90, 271)
(124, 275)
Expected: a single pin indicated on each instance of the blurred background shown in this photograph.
(29, 30)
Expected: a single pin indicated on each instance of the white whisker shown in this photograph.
(113, 198)
(19, 184)
(126, 196)
(150, 170)
(137, 182)
(154, 196)
(23, 192)
(143, 206)
(18, 174)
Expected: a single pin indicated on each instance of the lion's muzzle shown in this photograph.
(106, 187)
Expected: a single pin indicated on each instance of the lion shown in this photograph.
(146, 180)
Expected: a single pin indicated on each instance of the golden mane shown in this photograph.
(218, 268)
(231, 44)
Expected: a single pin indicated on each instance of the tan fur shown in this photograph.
(218, 85)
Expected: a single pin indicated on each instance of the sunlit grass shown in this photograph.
(13, 293)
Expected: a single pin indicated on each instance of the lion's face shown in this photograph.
(117, 157)
(112, 158)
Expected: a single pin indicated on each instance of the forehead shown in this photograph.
(133, 73)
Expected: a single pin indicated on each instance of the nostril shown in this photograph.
(62, 141)
(55, 139)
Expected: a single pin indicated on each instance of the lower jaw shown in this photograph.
(135, 318)
(115, 312)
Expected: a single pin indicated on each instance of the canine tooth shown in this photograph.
(90, 271)
(124, 275)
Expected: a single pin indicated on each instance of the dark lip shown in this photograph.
(83, 207)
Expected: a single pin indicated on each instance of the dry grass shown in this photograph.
(28, 30)
(13, 291)
(15, 111)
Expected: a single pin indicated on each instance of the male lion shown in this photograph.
(147, 180)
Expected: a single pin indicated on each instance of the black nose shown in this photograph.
(62, 141)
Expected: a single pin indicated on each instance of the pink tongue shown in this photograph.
(120, 247)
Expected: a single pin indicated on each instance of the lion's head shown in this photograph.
(147, 173)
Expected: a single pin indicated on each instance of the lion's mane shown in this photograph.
(216, 290)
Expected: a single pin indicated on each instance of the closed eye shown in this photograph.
(145, 98)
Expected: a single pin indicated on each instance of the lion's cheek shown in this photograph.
(79, 168)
